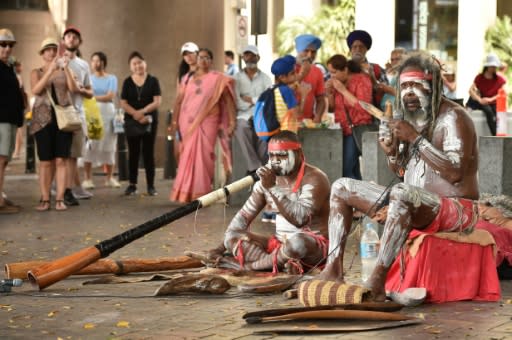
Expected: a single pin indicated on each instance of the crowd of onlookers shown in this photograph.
(210, 107)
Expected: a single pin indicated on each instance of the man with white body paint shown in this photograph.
(299, 193)
(434, 149)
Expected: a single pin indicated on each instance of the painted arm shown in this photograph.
(252, 207)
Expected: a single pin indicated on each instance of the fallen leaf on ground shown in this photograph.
(89, 325)
(123, 324)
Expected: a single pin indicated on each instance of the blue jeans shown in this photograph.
(351, 168)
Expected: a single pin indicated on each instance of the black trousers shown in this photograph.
(146, 144)
(489, 110)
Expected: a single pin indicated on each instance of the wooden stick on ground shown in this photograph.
(19, 270)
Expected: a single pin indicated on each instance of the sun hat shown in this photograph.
(48, 42)
(189, 47)
(6, 35)
(492, 60)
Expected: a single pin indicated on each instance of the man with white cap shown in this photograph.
(309, 76)
(11, 111)
(249, 84)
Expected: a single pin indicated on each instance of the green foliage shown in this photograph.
(332, 24)
(498, 39)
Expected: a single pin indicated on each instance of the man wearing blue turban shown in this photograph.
(359, 42)
(309, 76)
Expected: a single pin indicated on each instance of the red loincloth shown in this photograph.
(449, 270)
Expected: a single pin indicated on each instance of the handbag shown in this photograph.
(93, 118)
(359, 130)
(133, 128)
(68, 118)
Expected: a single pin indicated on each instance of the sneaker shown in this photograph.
(130, 190)
(81, 194)
(69, 198)
(87, 184)
(266, 216)
(9, 209)
(113, 183)
(152, 191)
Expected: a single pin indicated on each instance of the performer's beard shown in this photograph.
(284, 167)
(420, 117)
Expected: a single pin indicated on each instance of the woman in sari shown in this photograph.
(206, 110)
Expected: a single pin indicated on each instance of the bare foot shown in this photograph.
(60, 205)
(331, 272)
(229, 262)
(376, 284)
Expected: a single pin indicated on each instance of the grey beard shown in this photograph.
(419, 118)
(251, 66)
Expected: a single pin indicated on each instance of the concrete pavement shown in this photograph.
(70, 310)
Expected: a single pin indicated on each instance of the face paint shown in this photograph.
(283, 162)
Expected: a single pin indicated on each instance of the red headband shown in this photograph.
(283, 145)
(414, 75)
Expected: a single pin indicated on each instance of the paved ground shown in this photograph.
(70, 310)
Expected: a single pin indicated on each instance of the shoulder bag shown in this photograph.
(359, 130)
(68, 118)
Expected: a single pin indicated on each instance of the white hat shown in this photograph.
(492, 60)
(251, 48)
(6, 35)
(189, 47)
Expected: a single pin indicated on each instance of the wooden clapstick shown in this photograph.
(388, 112)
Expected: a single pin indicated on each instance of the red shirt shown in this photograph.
(360, 85)
(489, 87)
(315, 80)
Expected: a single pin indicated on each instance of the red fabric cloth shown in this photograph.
(489, 87)
(502, 237)
(360, 86)
(315, 80)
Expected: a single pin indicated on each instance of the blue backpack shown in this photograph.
(265, 119)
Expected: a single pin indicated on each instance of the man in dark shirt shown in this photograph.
(11, 112)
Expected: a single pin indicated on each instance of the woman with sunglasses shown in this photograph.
(206, 111)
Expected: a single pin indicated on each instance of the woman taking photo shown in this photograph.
(102, 152)
(207, 110)
(348, 85)
(484, 90)
(140, 99)
(54, 78)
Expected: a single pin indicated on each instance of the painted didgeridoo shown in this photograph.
(46, 275)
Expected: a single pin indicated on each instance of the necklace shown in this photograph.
(139, 91)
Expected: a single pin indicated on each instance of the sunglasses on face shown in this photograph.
(5, 44)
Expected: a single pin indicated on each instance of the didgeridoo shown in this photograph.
(60, 269)
(19, 270)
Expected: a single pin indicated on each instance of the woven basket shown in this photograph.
(323, 293)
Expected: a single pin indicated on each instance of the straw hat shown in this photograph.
(48, 42)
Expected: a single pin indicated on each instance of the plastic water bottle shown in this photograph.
(369, 250)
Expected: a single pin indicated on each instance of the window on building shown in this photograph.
(38, 5)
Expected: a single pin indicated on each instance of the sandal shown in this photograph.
(60, 205)
(44, 205)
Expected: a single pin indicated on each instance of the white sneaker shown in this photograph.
(113, 183)
(87, 184)
(81, 194)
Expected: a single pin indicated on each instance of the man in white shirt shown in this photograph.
(72, 39)
(249, 84)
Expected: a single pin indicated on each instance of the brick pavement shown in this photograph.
(70, 310)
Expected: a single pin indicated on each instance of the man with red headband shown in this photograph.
(299, 192)
(431, 143)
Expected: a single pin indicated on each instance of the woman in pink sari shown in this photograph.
(206, 110)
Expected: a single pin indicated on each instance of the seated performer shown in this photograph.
(434, 148)
(299, 193)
